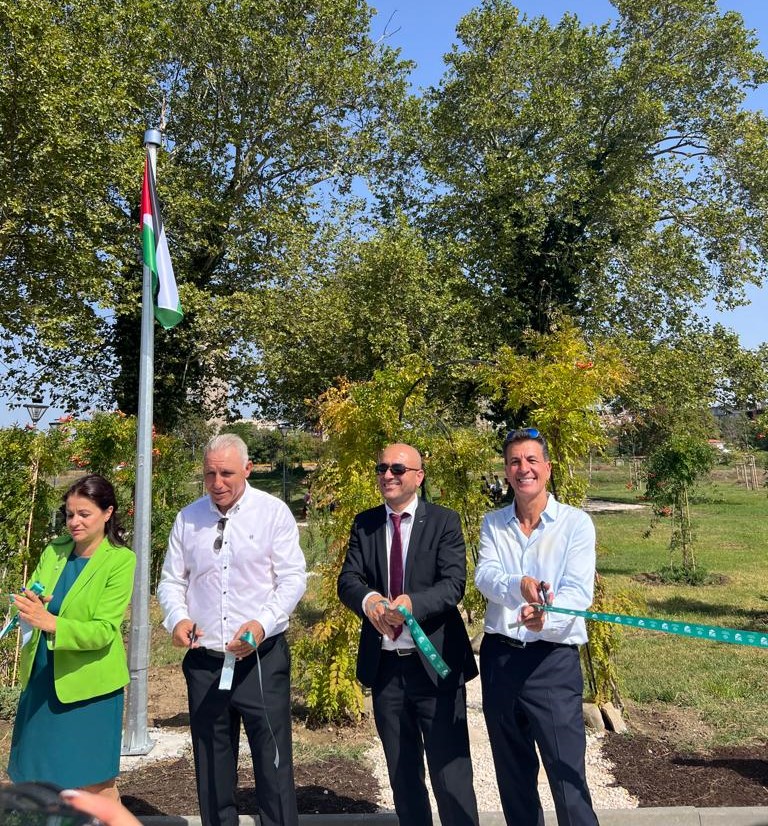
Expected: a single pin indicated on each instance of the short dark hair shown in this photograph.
(526, 434)
(102, 494)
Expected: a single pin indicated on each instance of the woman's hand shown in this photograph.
(32, 610)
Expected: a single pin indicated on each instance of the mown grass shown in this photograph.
(724, 685)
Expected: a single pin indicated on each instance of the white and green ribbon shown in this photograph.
(715, 633)
(424, 644)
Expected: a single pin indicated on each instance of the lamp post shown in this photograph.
(36, 409)
(283, 428)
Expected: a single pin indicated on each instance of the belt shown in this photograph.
(264, 648)
(399, 652)
(513, 642)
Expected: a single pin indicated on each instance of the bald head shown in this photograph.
(398, 489)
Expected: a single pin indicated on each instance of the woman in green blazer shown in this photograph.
(73, 666)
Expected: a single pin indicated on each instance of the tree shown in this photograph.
(270, 111)
(671, 474)
(608, 172)
(677, 383)
(381, 299)
(74, 92)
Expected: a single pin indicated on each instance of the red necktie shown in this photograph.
(396, 562)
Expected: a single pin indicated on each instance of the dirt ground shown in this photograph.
(648, 763)
(323, 785)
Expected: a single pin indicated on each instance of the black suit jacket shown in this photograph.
(434, 578)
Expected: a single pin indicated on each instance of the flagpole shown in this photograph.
(136, 739)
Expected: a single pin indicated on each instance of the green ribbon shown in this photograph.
(424, 644)
(683, 629)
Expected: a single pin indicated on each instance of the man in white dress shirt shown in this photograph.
(232, 575)
(536, 548)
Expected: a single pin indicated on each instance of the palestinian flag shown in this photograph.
(156, 256)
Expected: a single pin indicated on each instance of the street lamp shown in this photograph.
(283, 428)
(36, 410)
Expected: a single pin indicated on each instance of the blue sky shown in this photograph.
(425, 30)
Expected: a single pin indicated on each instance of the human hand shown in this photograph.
(108, 811)
(239, 647)
(32, 610)
(532, 617)
(183, 633)
(531, 590)
(376, 610)
(392, 616)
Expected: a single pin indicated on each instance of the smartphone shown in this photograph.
(39, 804)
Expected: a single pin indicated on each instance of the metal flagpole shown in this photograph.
(135, 737)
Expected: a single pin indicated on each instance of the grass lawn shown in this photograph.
(724, 685)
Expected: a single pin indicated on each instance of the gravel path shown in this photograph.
(605, 794)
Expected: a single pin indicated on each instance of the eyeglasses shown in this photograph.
(397, 468)
(219, 541)
(524, 433)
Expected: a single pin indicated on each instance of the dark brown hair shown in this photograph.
(102, 494)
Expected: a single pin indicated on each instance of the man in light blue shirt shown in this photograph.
(535, 549)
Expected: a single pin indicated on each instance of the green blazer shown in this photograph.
(88, 654)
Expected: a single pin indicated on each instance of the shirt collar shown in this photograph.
(549, 514)
(410, 508)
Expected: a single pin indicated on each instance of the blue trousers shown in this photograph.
(533, 696)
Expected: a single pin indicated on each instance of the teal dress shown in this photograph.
(69, 744)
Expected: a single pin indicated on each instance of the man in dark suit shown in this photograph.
(411, 553)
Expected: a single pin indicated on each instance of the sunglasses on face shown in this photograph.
(398, 469)
(219, 541)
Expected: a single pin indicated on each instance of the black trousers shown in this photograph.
(414, 717)
(533, 695)
(215, 717)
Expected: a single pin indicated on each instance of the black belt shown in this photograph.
(399, 652)
(264, 648)
(513, 642)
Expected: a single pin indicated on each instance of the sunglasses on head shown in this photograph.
(397, 468)
(524, 433)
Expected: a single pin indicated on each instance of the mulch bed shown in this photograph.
(649, 769)
(658, 775)
(167, 787)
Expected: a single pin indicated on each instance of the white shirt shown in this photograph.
(405, 640)
(560, 551)
(259, 573)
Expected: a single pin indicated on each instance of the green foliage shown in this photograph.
(680, 575)
(9, 701)
(269, 109)
(675, 382)
(28, 460)
(319, 326)
(106, 444)
(559, 388)
(599, 655)
(733, 534)
(608, 172)
(672, 471)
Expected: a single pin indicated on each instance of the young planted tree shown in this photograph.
(672, 471)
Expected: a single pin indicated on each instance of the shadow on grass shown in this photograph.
(754, 619)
